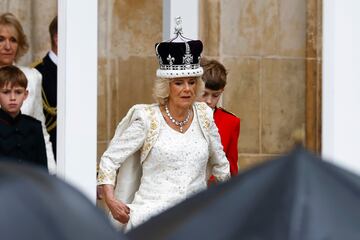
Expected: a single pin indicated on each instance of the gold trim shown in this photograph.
(51, 123)
(151, 136)
(49, 109)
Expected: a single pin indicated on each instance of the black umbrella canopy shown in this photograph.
(295, 197)
(35, 205)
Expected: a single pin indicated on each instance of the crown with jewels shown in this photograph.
(179, 58)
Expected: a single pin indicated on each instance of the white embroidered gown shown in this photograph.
(174, 170)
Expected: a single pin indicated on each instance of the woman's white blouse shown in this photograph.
(33, 106)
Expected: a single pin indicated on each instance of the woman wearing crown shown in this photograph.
(163, 153)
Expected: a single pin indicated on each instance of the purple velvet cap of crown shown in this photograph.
(179, 59)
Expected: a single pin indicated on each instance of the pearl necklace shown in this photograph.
(177, 123)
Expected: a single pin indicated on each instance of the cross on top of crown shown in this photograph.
(178, 27)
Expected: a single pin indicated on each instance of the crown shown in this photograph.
(179, 58)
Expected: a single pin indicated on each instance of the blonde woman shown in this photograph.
(170, 146)
(13, 45)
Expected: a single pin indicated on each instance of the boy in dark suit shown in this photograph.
(21, 136)
(48, 70)
(228, 124)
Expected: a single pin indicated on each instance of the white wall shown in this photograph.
(188, 10)
(341, 83)
(77, 94)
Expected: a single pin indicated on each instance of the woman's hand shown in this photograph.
(117, 208)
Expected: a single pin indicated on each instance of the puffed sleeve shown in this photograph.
(33, 107)
(218, 161)
(124, 143)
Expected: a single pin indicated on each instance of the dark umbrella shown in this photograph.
(296, 197)
(35, 205)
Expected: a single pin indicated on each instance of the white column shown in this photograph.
(188, 10)
(341, 83)
(77, 94)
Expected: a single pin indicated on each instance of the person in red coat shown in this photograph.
(228, 124)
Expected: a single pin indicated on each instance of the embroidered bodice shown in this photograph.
(173, 171)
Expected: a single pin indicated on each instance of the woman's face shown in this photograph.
(182, 91)
(8, 45)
